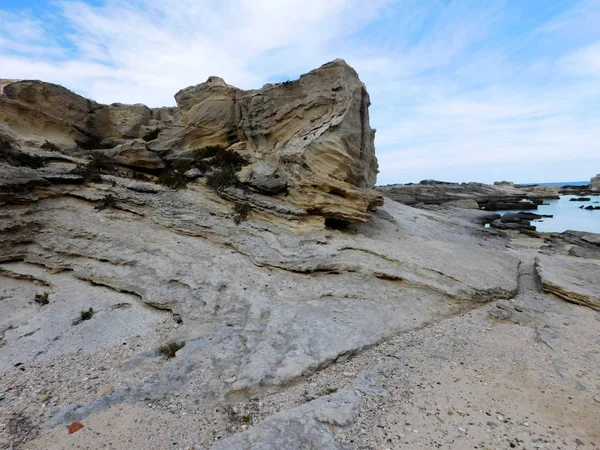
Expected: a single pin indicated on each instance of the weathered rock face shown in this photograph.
(307, 142)
(310, 138)
(34, 111)
(595, 183)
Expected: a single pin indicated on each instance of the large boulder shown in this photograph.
(135, 154)
(540, 191)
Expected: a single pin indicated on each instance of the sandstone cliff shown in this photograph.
(307, 142)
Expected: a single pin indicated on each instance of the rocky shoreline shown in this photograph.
(227, 276)
(500, 196)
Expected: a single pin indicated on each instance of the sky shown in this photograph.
(461, 90)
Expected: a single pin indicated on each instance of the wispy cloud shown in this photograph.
(461, 90)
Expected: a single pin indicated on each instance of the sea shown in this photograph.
(567, 214)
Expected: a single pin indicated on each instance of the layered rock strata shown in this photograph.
(307, 143)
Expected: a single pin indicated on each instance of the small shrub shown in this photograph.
(217, 157)
(50, 147)
(222, 178)
(206, 152)
(87, 315)
(247, 419)
(173, 178)
(19, 158)
(241, 211)
(330, 391)
(151, 135)
(98, 164)
(140, 176)
(225, 158)
(170, 349)
(94, 142)
(109, 201)
(42, 299)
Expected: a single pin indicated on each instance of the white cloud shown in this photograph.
(584, 61)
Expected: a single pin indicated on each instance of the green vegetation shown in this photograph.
(98, 164)
(170, 349)
(222, 178)
(87, 315)
(173, 178)
(241, 211)
(140, 176)
(94, 142)
(109, 201)
(222, 165)
(206, 152)
(42, 299)
(330, 391)
(50, 147)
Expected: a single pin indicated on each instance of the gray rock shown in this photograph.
(573, 279)
(265, 177)
(193, 174)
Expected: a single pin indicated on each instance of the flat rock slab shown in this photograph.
(573, 279)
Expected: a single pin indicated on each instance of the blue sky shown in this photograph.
(461, 90)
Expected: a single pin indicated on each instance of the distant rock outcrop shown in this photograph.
(499, 196)
(595, 183)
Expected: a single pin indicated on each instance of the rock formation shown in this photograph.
(499, 196)
(595, 183)
(307, 142)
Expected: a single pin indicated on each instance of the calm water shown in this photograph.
(568, 216)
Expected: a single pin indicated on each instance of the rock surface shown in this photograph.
(499, 196)
(574, 279)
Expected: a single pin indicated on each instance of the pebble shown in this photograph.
(103, 391)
